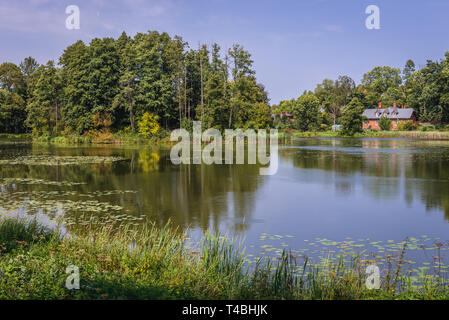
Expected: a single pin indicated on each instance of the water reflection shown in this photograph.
(198, 196)
(400, 173)
(390, 168)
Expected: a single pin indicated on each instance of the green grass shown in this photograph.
(15, 136)
(313, 134)
(147, 262)
(430, 135)
(121, 139)
(63, 140)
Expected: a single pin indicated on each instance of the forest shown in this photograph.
(152, 82)
(145, 84)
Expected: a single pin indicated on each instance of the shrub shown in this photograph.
(148, 125)
(410, 125)
(101, 136)
(406, 125)
(427, 128)
(385, 123)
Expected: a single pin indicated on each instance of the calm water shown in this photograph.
(325, 189)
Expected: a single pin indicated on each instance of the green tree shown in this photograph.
(102, 78)
(306, 112)
(125, 100)
(28, 66)
(12, 104)
(75, 74)
(408, 70)
(12, 112)
(381, 85)
(43, 108)
(260, 116)
(244, 90)
(11, 78)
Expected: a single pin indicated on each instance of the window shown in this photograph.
(377, 123)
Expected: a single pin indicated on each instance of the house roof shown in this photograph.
(283, 114)
(392, 113)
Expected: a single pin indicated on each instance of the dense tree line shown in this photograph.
(341, 101)
(128, 83)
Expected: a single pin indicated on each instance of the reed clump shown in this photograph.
(158, 262)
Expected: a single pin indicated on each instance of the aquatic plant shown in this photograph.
(143, 261)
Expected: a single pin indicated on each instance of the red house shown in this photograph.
(394, 113)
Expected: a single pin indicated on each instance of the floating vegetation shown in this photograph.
(31, 181)
(63, 205)
(49, 160)
(408, 255)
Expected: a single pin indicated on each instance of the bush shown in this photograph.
(148, 125)
(385, 123)
(427, 128)
(410, 125)
(406, 126)
(101, 136)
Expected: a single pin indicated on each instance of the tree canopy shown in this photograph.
(116, 84)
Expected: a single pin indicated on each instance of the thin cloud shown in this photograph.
(28, 17)
(333, 28)
(45, 16)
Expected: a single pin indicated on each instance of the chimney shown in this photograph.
(403, 107)
(395, 105)
(380, 105)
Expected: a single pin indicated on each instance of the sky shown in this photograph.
(295, 44)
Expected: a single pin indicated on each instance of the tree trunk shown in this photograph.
(131, 116)
(180, 107)
(185, 92)
(202, 91)
(230, 118)
(56, 116)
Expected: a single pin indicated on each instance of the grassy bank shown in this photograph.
(112, 139)
(22, 136)
(129, 139)
(426, 135)
(156, 263)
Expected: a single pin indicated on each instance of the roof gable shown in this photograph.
(392, 113)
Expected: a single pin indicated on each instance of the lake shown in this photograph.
(328, 194)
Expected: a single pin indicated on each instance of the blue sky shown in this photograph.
(294, 44)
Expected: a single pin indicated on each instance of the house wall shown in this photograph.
(394, 125)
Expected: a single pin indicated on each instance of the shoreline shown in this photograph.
(422, 135)
(159, 265)
(165, 142)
